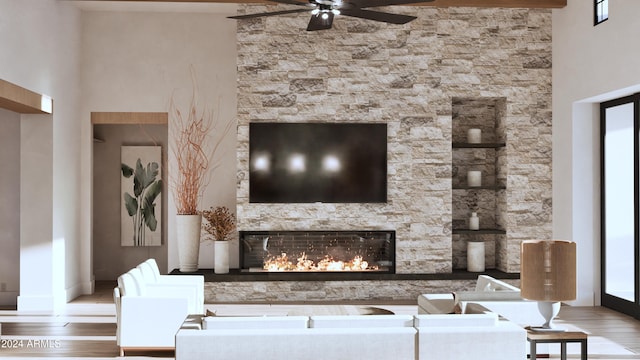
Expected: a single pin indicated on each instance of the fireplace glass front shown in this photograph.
(317, 251)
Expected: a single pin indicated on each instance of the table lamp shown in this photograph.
(548, 275)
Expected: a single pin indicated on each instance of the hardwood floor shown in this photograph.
(86, 328)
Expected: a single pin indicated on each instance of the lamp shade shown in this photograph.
(548, 270)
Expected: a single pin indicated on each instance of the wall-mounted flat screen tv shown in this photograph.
(317, 162)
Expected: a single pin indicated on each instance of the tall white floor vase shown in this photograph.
(188, 237)
(475, 256)
(221, 257)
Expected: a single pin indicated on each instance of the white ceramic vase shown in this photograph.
(474, 136)
(474, 221)
(474, 178)
(188, 239)
(221, 257)
(475, 256)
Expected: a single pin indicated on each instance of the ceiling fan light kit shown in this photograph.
(324, 11)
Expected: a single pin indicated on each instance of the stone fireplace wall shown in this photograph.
(406, 76)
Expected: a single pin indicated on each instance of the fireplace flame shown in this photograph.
(282, 263)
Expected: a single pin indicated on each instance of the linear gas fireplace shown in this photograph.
(317, 251)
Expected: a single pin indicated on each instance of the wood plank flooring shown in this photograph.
(86, 328)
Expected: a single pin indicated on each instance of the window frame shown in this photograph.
(597, 4)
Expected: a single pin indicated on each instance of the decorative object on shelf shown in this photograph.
(474, 221)
(548, 275)
(220, 224)
(474, 178)
(141, 188)
(474, 136)
(475, 256)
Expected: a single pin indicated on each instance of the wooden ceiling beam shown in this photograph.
(555, 4)
(23, 101)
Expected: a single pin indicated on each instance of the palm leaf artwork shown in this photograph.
(140, 204)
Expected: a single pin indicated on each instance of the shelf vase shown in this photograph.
(221, 257)
(474, 178)
(475, 256)
(474, 221)
(474, 136)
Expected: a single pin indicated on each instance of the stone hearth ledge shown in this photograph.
(237, 287)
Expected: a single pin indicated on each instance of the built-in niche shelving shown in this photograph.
(488, 157)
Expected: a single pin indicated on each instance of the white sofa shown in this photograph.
(495, 295)
(149, 313)
(295, 337)
(469, 336)
(348, 337)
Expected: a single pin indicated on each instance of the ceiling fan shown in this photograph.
(323, 11)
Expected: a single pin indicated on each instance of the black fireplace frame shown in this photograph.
(390, 248)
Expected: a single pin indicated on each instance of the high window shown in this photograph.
(601, 11)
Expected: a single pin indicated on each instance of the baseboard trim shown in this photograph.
(85, 288)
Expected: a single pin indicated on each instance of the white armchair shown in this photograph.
(146, 319)
(191, 286)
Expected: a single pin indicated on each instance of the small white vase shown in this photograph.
(221, 257)
(188, 239)
(474, 221)
(475, 256)
(474, 136)
(474, 178)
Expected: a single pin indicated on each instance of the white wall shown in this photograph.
(40, 52)
(590, 64)
(136, 60)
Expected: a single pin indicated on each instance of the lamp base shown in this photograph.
(548, 310)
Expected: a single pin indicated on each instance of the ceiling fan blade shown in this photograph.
(378, 16)
(374, 3)
(317, 21)
(283, 12)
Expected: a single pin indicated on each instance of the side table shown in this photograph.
(562, 337)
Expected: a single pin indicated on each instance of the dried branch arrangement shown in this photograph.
(193, 150)
(190, 133)
(220, 222)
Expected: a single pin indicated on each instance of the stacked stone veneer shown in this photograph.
(406, 76)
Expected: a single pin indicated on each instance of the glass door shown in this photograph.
(619, 129)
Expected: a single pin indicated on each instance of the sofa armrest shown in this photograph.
(488, 283)
(189, 292)
(150, 321)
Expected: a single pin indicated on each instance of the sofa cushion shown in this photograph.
(255, 322)
(360, 321)
(455, 320)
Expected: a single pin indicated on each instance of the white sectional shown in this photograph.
(441, 337)
(495, 295)
(275, 338)
(469, 336)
